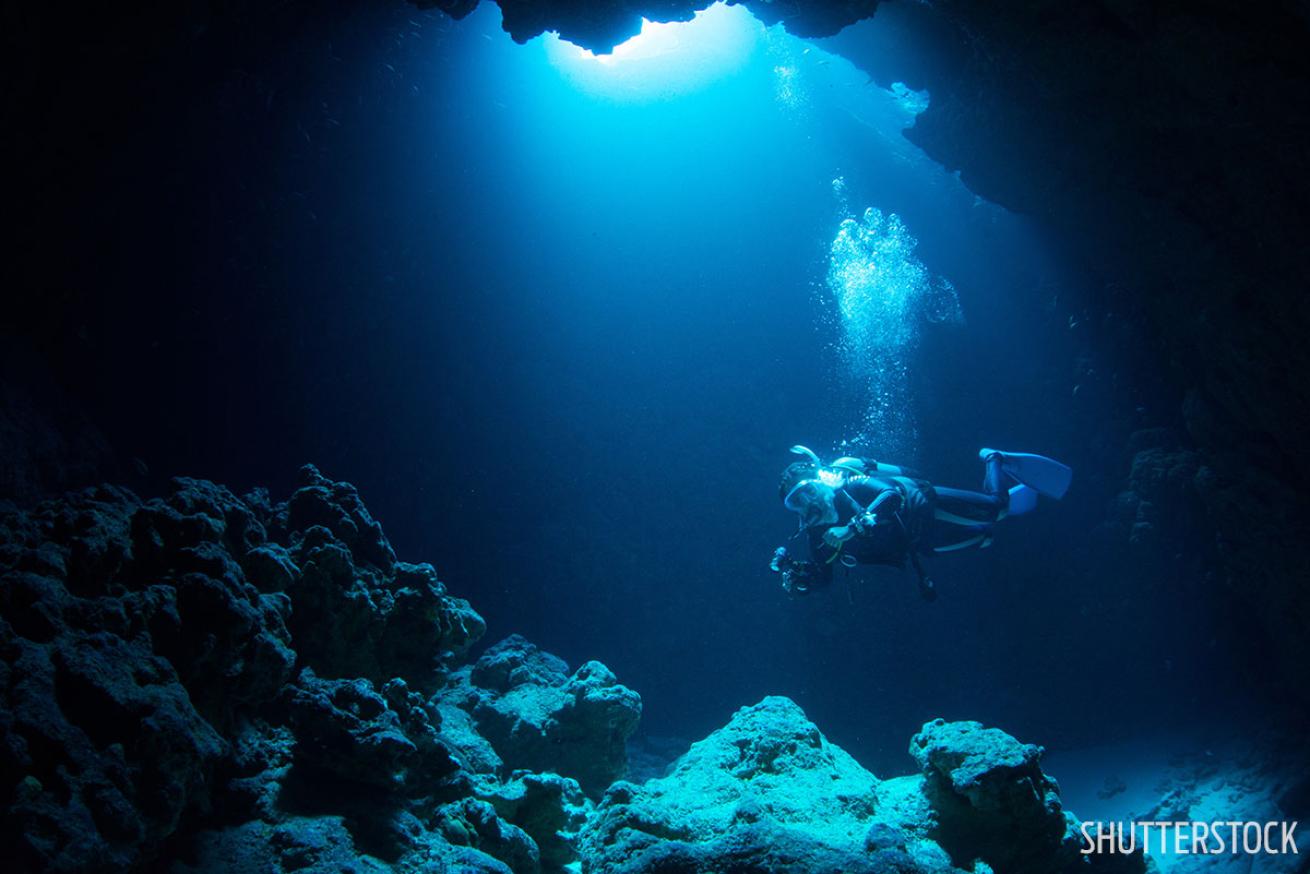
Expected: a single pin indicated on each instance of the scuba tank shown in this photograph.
(842, 469)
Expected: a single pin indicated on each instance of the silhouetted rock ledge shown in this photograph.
(204, 682)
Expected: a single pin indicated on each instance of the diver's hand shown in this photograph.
(799, 577)
(838, 535)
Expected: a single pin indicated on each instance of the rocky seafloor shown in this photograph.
(204, 682)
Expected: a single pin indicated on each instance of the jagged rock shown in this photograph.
(260, 759)
(103, 750)
(270, 567)
(601, 26)
(992, 802)
(473, 752)
(538, 717)
(359, 612)
(145, 651)
(475, 824)
(337, 507)
(347, 729)
(551, 809)
(319, 844)
(344, 728)
(131, 642)
(767, 792)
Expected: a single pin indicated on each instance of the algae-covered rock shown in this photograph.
(991, 801)
(317, 844)
(147, 650)
(474, 823)
(551, 809)
(360, 612)
(767, 792)
(320, 845)
(130, 646)
(538, 717)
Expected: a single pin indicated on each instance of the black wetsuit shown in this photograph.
(914, 518)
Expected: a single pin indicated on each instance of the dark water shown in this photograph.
(561, 341)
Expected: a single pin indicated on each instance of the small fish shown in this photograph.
(389, 67)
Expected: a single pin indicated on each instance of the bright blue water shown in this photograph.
(562, 338)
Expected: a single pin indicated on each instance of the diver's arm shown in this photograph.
(821, 559)
(883, 508)
(870, 504)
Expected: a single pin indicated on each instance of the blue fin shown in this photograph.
(1022, 500)
(1048, 476)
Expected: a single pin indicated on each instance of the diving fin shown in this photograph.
(1022, 500)
(1046, 475)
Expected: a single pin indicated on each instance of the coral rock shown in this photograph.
(992, 802)
(767, 792)
(539, 718)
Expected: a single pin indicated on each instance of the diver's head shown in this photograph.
(803, 493)
(796, 473)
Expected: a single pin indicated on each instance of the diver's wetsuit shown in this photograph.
(914, 517)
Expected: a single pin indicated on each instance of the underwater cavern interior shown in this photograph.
(395, 396)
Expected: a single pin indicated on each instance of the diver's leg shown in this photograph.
(962, 519)
(969, 509)
(996, 483)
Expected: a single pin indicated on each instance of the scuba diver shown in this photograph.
(859, 511)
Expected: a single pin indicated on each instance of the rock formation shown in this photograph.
(204, 683)
(601, 26)
(222, 683)
(769, 793)
(537, 716)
